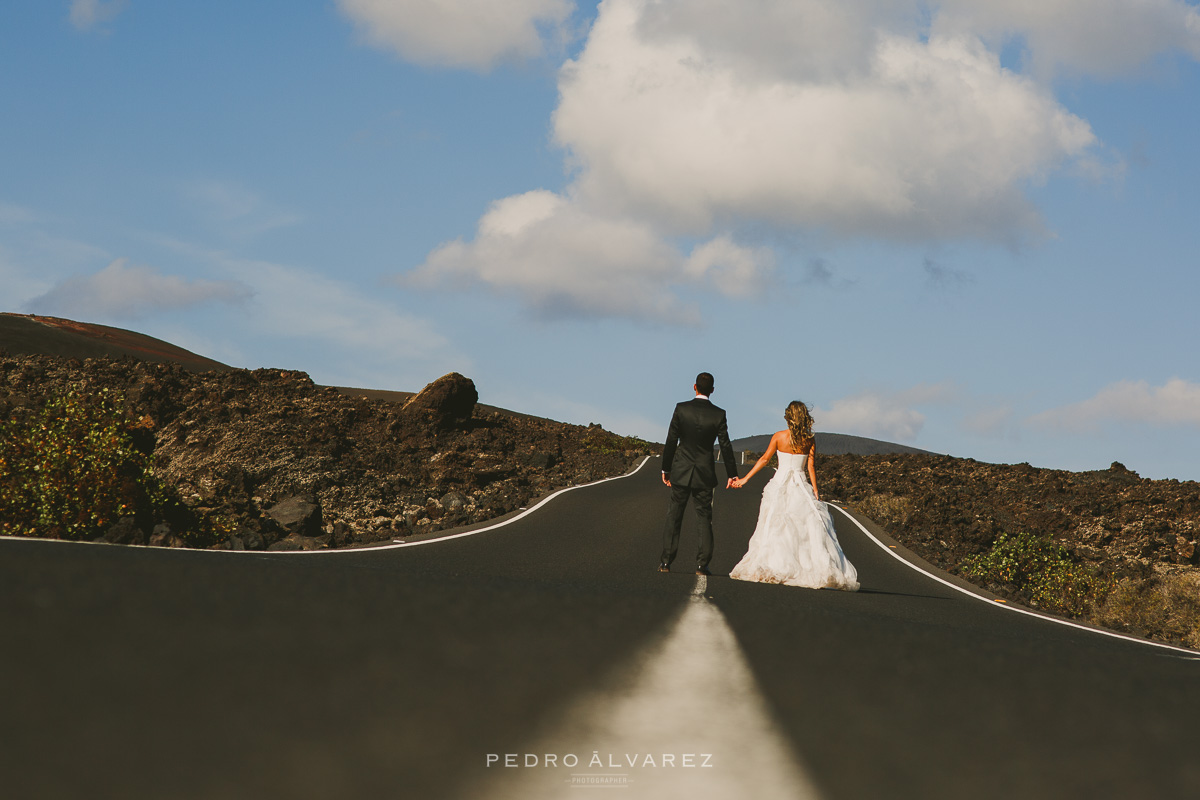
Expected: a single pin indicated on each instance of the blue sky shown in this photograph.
(966, 225)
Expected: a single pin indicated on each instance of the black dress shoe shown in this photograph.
(664, 567)
(702, 570)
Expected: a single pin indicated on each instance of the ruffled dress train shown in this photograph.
(794, 542)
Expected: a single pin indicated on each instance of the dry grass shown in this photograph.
(1164, 607)
(886, 509)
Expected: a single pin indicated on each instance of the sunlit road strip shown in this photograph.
(685, 720)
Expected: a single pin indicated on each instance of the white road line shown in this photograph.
(359, 550)
(692, 694)
(1194, 655)
(508, 521)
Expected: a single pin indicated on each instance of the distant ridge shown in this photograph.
(835, 444)
(30, 334)
(27, 334)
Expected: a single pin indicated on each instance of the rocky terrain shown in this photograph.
(1137, 537)
(266, 459)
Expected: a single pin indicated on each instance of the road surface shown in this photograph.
(457, 668)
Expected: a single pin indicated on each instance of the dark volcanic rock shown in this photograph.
(296, 515)
(297, 542)
(948, 509)
(160, 534)
(1136, 537)
(447, 402)
(540, 460)
(250, 538)
(269, 458)
(125, 531)
(452, 501)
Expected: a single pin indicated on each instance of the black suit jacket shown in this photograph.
(687, 458)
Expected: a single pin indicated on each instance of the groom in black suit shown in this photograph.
(688, 468)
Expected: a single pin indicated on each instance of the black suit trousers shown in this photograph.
(702, 502)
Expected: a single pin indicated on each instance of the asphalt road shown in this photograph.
(414, 671)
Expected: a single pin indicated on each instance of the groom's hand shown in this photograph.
(731, 484)
(666, 480)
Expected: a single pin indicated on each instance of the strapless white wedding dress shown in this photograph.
(794, 541)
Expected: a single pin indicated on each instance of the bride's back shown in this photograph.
(783, 442)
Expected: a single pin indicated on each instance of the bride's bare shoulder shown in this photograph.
(782, 440)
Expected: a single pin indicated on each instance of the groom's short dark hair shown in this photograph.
(704, 384)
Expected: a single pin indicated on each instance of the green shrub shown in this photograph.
(71, 469)
(1042, 569)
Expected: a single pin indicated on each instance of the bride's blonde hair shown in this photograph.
(799, 423)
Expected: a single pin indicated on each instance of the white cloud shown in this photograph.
(34, 258)
(921, 139)
(883, 415)
(818, 40)
(476, 34)
(1103, 37)
(872, 415)
(1175, 403)
(564, 261)
(260, 314)
(87, 14)
(875, 119)
(734, 270)
(296, 303)
(121, 291)
(358, 337)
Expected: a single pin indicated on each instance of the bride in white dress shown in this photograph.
(794, 542)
